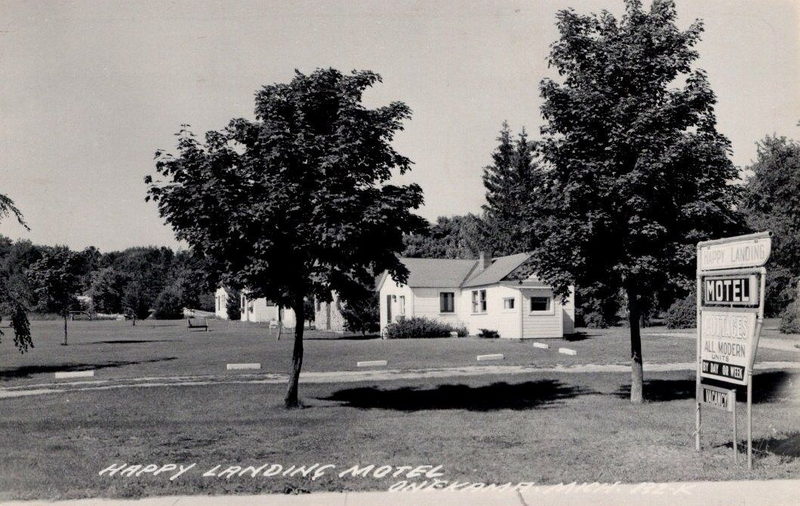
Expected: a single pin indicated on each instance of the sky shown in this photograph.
(89, 90)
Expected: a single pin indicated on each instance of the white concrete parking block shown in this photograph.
(567, 351)
(494, 356)
(371, 363)
(74, 374)
(541, 345)
(231, 367)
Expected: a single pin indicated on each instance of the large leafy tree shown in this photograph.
(511, 180)
(638, 173)
(295, 203)
(772, 202)
(13, 296)
(56, 280)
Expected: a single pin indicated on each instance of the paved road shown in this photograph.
(343, 376)
(727, 493)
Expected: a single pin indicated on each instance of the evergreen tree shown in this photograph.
(510, 182)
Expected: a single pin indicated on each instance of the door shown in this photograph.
(388, 309)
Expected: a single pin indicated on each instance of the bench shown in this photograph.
(197, 323)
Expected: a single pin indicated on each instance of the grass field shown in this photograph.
(117, 349)
(547, 428)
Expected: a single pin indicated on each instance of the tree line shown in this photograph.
(134, 282)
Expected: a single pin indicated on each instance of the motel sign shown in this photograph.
(730, 312)
(730, 290)
(734, 252)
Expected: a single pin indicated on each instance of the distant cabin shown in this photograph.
(487, 293)
(258, 310)
(328, 315)
(221, 303)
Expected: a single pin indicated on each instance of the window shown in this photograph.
(539, 304)
(508, 303)
(447, 302)
(402, 310)
(479, 301)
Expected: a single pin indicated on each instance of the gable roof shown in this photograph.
(451, 273)
(437, 272)
(499, 269)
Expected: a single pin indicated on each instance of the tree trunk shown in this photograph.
(280, 323)
(637, 373)
(65, 328)
(291, 400)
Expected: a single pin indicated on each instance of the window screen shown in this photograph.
(479, 301)
(446, 302)
(540, 303)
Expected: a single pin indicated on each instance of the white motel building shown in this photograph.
(478, 294)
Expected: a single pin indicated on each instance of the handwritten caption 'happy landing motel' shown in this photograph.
(403, 478)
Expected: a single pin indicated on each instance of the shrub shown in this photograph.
(488, 333)
(362, 314)
(780, 291)
(233, 305)
(168, 304)
(790, 319)
(597, 307)
(419, 327)
(594, 320)
(205, 302)
(682, 314)
(136, 300)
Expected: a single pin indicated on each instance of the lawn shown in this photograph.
(117, 349)
(541, 427)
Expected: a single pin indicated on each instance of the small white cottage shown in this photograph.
(221, 303)
(253, 309)
(478, 294)
(328, 315)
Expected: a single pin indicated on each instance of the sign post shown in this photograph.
(730, 313)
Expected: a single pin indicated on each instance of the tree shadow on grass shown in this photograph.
(27, 370)
(788, 447)
(661, 390)
(576, 336)
(519, 396)
(767, 387)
